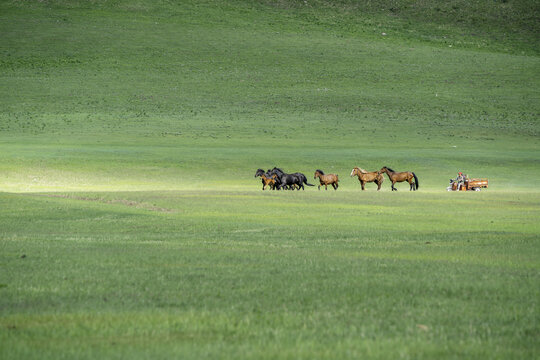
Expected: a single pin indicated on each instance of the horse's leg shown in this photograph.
(363, 183)
(325, 186)
(319, 187)
(393, 187)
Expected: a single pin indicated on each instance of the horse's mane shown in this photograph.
(389, 169)
(362, 170)
(320, 171)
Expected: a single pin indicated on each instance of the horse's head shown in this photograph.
(382, 171)
(260, 172)
(358, 171)
(318, 173)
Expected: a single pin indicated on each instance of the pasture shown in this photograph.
(132, 226)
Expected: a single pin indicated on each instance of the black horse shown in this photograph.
(303, 180)
(286, 181)
(289, 181)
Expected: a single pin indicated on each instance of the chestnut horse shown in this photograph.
(267, 180)
(330, 179)
(366, 177)
(399, 177)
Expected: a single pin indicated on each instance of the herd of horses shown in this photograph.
(277, 179)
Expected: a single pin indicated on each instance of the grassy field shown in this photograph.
(131, 225)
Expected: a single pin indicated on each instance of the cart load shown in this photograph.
(469, 184)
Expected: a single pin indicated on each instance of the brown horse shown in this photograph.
(271, 181)
(399, 177)
(267, 181)
(366, 177)
(330, 179)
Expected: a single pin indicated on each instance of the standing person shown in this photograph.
(460, 180)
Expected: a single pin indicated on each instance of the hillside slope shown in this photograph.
(132, 226)
(152, 85)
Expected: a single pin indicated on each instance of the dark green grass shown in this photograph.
(131, 225)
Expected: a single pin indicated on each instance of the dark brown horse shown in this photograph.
(400, 177)
(330, 179)
(366, 177)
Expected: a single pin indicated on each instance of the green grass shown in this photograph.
(240, 274)
(131, 225)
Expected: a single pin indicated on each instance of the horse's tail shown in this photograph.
(305, 182)
(415, 180)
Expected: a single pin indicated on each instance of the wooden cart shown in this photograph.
(469, 184)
